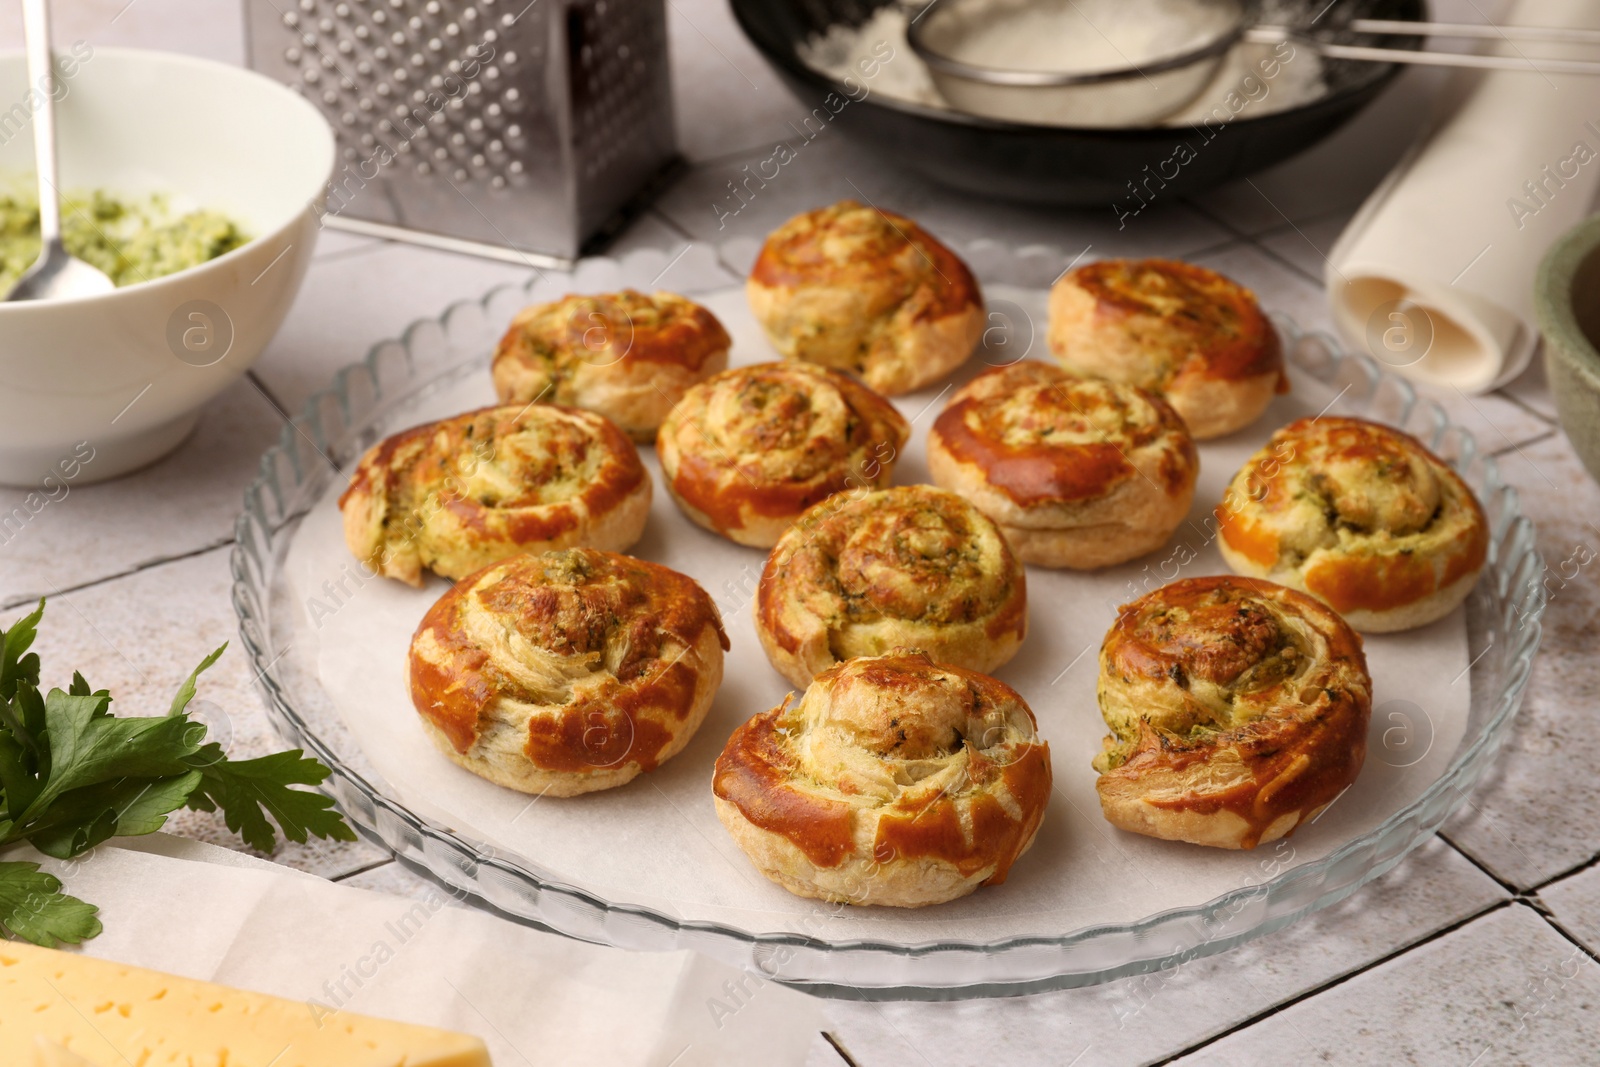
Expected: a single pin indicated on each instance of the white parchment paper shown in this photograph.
(656, 842)
(1434, 275)
(534, 998)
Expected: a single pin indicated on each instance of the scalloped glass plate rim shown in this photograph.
(1467, 767)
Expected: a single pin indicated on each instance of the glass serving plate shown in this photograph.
(372, 398)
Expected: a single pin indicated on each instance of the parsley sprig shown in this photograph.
(73, 775)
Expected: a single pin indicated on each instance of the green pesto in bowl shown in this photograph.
(131, 240)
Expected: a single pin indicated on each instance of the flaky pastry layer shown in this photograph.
(627, 355)
(894, 780)
(867, 571)
(566, 672)
(868, 291)
(454, 495)
(1188, 333)
(749, 450)
(1238, 710)
(1358, 514)
(1078, 472)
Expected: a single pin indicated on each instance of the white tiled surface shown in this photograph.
(1507, 989)
(1465, 954)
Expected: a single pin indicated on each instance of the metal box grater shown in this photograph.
(518, 124)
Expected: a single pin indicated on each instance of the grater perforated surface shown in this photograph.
(525, 123)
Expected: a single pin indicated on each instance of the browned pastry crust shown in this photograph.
(1238, 710)
(894, 780)
(868, 291)
(1173, 328)
(1078, 472)
(914, 567)
(566, 672)
(626, 355)
(746, 452)
(454, 495)
(1358, 514)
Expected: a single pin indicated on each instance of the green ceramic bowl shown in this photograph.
(1567, 295)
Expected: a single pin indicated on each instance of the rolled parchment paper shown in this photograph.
(1434, 275)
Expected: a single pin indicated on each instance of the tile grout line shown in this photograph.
(268, 396)
(373, 244)
(1334, 982)
(839, 1049)
(1542, 910)
(1218, 248)
(1535, 888)
(1283, 229)
(159, 561)
(137, 568)
(388, 858)
(1517, 446)
(1292, 267)
(732, 155)
(1562, 876)
(672, 224)
(1217, 220)
(1254, 241)
(1514, 400)
(1470, 858)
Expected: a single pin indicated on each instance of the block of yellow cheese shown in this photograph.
(60, 1008)
(50, 1054)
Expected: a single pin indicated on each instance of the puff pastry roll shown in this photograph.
(454, 495)
(894, 780)
(914, 566)
(746, 452)
(1078, 472)
(628, 355)
(1238, 710)
(867, 291)
(566, 672)
(1173, 328)
(1358, 514)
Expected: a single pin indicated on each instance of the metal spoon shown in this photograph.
(56, 274)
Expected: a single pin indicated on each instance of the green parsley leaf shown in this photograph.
(73, 775)
(33, 908)
(15, 664)
(86, 746)
(127, 807)
(249, 790)
(186, 690)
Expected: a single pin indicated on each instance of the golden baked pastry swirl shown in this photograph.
(867, 291)
(566, 672)
(894, 780)
(454, 495)
(1188, 333)
(1238, 710)
(913, 566)
(1358, 514)
(747, 451)
(1078, 472)
(627, 355)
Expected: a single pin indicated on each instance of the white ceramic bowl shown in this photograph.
(122, 377)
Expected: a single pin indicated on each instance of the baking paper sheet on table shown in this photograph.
(656, 842)
(534, 998)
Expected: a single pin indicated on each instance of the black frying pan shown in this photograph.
(1081, 166)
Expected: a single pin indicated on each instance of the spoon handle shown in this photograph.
(42, 75)
(1480, 31)
(1467, 60)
